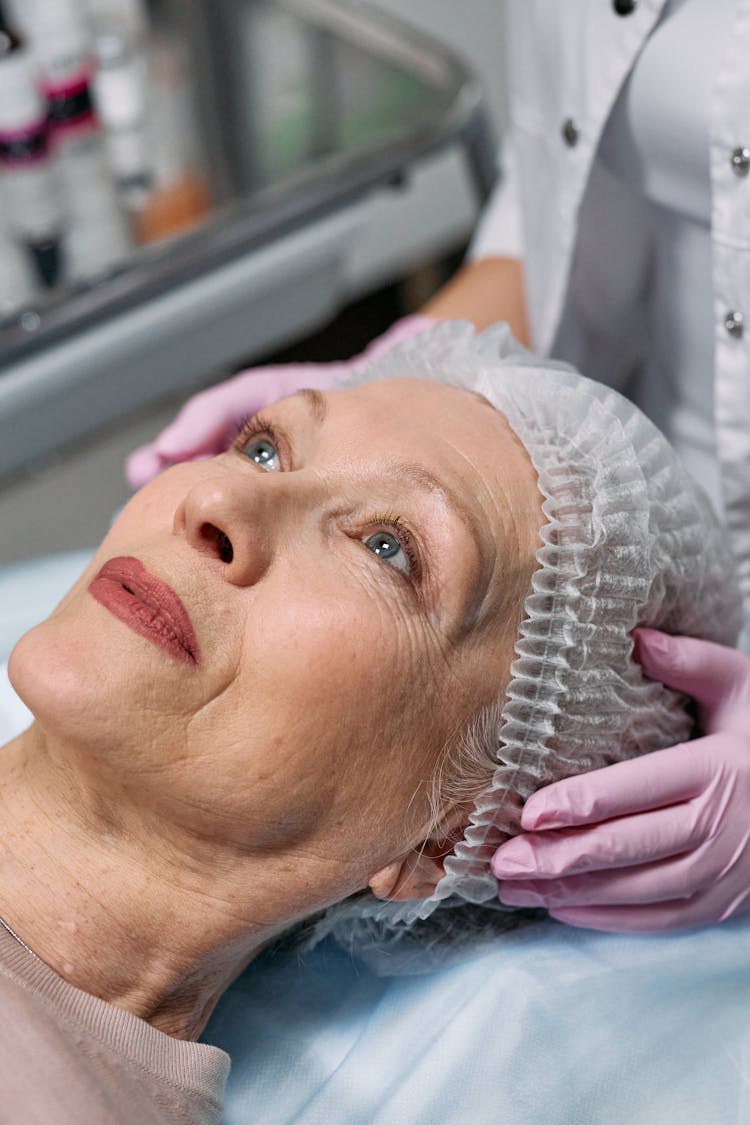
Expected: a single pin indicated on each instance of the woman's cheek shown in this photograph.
(329, 650)
(153, 507)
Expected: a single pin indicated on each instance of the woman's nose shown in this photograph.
(229, 520)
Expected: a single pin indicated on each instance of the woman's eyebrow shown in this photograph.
(422, 480)
(410, 473)
(418, 477)
(315, 402)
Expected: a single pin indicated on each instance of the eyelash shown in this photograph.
(395, 525)
(256, 426)
(259, 426)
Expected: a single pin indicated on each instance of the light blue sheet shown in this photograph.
(553, 1027)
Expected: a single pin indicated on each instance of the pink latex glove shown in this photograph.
(209, 421)
(658, 842)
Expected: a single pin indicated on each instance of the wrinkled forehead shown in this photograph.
(457, 429)
(411, 397)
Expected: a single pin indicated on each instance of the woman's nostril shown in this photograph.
(224, 547)
(219, 541)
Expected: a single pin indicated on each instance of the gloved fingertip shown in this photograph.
(511, 895)
(539, 813)
(141, 466)
(581, 918)
(533, 811)
(514, 859)
(170, 445)
(650, 643)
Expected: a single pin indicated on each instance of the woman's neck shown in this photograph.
(120, 913)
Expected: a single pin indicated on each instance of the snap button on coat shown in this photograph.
(570, 132)
(740, 161)
(734, 322)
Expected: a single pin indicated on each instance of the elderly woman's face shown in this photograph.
(351, 574)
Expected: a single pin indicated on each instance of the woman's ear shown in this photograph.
(416, 874)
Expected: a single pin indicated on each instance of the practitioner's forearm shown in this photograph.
(484, 292)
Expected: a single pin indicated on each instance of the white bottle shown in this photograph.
(129, 17)
(30, 189)
(17, 284)
(59, 39)
(121, 96)
(97, 237)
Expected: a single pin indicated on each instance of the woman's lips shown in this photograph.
(148, 605)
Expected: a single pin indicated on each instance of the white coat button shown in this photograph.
(570, 133)
(624, 7)
(734, 322)
(740, 161)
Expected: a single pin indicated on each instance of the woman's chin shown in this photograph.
(65, 679)
(41, 676)
(88, 678)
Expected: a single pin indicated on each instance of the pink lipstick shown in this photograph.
(147, 605)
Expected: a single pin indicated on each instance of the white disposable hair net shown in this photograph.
(629, 540)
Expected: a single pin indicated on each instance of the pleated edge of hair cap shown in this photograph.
(607, 477)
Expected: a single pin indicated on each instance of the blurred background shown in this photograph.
(193, 186)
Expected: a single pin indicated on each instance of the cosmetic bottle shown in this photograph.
(97, 238)
(121, 96)
(58, 37)
(181, 198)
(18, 286)
(30, 191)
(129, 17)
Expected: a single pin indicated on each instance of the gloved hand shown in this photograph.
(209, 421)
(657, 842)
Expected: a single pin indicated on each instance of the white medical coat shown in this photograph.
(583, 238)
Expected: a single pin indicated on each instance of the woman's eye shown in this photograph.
(264, 453)
(388, 548)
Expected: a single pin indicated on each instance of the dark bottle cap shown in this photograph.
(47, 256)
